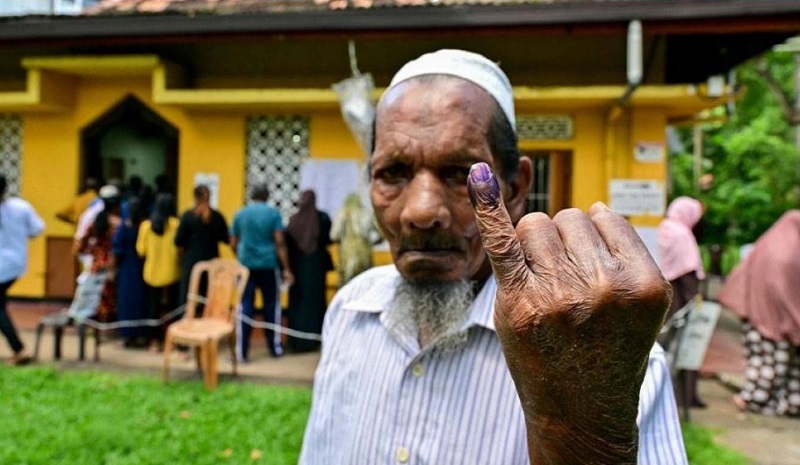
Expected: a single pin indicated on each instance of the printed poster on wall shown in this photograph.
(210, 180)
(648, 152)
(632, 197)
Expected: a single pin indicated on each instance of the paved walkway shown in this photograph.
(766, 440)
(290, 369)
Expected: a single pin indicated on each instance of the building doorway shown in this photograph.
(552, 181)
(131, 140)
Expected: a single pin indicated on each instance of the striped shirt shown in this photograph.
(380, 399)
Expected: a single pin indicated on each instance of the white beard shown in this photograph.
(436, 309)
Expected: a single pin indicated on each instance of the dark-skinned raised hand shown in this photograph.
(579, 304)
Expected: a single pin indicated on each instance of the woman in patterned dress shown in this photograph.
(98, 244)
(763, 290)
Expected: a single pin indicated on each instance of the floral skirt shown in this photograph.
(773, 375)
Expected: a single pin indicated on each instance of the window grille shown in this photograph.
(544, 127)
(11, 152)
(539, 196)
(276, 148)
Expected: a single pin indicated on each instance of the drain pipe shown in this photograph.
(634, 78)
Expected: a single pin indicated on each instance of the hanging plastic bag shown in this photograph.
(358, 110)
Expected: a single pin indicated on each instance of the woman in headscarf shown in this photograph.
(682, 265)
(352, 230)
(130, 285)
(763, 290)
(308, 236)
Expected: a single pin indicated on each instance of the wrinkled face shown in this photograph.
(428, 135)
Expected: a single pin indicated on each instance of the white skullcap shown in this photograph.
(108, 191)
(475, 68)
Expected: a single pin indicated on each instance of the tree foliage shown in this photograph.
(752, 157)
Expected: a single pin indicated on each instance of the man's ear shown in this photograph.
(518, 192)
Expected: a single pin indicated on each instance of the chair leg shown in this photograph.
(39, 330)
(232, 343)
(167, 352)
(96, 345)
(58, 332)
(199, 357)
(81, 342)
(210, 375)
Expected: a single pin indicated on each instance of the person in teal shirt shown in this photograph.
(257, 236)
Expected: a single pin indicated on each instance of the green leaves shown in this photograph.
(753, 158)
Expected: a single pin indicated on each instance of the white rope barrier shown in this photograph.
(132, 323)
(279, 328)
(180, 310)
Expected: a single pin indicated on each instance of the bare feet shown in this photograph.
(739, 403)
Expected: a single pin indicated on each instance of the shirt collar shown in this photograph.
(379, 298)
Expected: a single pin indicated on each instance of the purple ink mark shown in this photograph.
(482, 185)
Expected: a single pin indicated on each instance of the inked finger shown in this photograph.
(498, 236)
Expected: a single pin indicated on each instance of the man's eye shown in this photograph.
(393, 173)
(456, 175)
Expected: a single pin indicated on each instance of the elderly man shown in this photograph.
(496, 337)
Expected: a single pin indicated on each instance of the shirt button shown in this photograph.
(417, 370)
(402, 454)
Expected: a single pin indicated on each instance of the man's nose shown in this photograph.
(426, 203)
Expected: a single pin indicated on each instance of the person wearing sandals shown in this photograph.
(762, 290)
(682, 265)
(18, 222)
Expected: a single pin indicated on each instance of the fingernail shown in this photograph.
(480, 172)
(482, 185)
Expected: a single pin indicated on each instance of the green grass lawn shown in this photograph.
(87, 418)
(91, 418)
(701, 449)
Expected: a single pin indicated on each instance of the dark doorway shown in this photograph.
(128, 140)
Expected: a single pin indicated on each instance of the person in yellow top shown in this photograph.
(71, 212)
(156, 245)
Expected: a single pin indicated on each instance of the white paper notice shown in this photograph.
(633, 197)
(648, 152)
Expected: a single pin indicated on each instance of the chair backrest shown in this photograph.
(226, 281)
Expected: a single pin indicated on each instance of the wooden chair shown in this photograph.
(226, 281)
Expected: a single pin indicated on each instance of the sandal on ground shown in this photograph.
(20, 358)
(739, 403)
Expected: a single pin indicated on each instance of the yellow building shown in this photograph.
(212, 93)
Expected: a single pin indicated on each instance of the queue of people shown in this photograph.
(148, 253)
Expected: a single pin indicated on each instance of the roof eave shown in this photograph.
(665, 17)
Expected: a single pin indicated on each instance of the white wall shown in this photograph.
(43, 7)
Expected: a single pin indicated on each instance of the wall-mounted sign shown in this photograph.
(648, 152)
(210, 180)
(632, 197)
